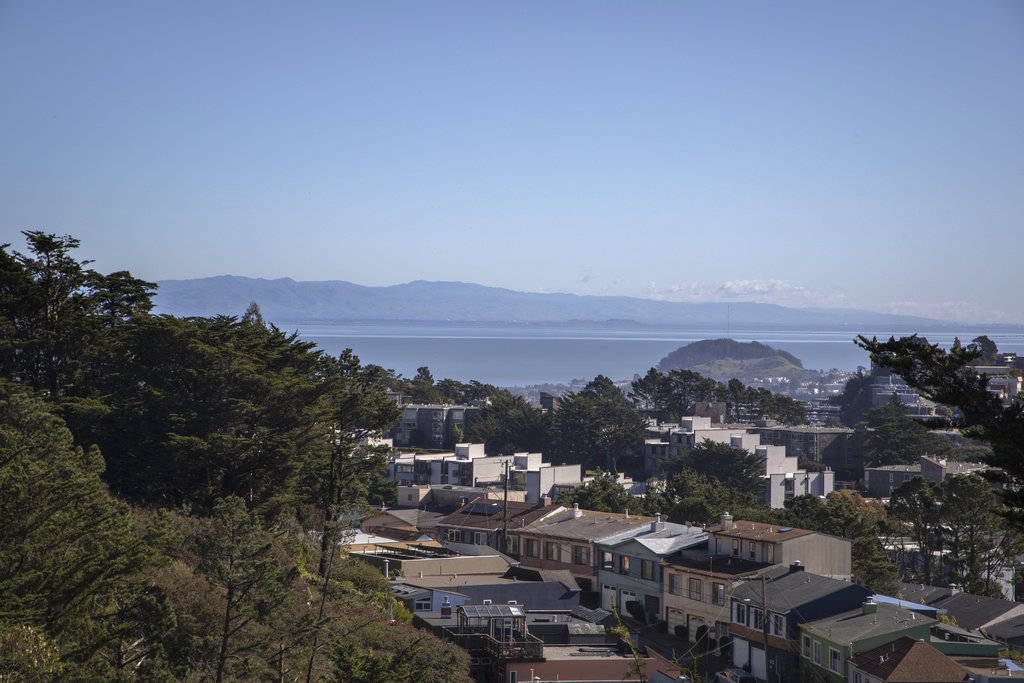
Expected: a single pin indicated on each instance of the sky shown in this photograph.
(863, 154)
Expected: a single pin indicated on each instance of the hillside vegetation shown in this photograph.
(724, 359)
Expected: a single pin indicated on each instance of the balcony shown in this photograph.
(525, 648)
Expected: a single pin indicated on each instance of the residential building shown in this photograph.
(402, 524)
(907, 660)
(566, 542)
(881, 481)
(433, 593)
(529, 477)
(827, 644)
(971, 612)
(432, 425)
(939, 469)
(818, 553)
(502, 647)
(697, 591)
(783, 477)
(629, 564)
(838, 448)
(485, 522)
(766, 613)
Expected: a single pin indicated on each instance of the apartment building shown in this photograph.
(771, 544)
(469, 466)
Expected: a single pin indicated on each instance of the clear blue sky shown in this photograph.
(860, 154)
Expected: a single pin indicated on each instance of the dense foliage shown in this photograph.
(170, 485)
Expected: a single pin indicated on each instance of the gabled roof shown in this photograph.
(970, 611)
(789, 589)
(491, 515)
(907, 660)
(857, 624)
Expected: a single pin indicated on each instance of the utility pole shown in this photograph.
(504, 521)
(764, 621)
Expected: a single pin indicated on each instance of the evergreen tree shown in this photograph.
(237, 558)
(897, 439)
(508, 424)
(734, 467)
(603, 494)
(915, 508)
(71, 559)
(597, 426)
(947, 378)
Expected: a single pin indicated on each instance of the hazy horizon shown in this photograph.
(865, 156)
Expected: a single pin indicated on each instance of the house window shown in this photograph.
(579, 554)
(623, 564)
(741, 614)
(834, 662)
(513, 545)
(695, 589)
(857, 677)
(607, 560)
(480, 538)
(673, 584)
(817, 653)
(758, 618)
(531, 547)
(735, 548)
(778, 625)
(718, 546)
(513, 677)
(422, 604)
(805, 646)
(771, 552)
(718, 593)
(753, 550)
(647, 570)
(551, 551)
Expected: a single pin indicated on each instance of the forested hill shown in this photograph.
(726, 358)
(287, 300)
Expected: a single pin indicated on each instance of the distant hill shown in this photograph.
(724, 359)
(289, 301)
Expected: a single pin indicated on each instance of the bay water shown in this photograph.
(521, 355)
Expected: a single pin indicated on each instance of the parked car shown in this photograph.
(735, 676)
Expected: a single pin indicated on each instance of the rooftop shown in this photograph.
(588, 526)
(907, 659)
(717, 566)
(858, 624)
(491, 515)
(757, 531)
(788, 589)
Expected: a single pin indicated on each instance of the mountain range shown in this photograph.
(289, 301)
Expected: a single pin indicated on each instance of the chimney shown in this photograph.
(952, 590)
(726, 521)
(869, 607)
(576, 512)
(795, 567)
(545, 500)
(657, 524)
